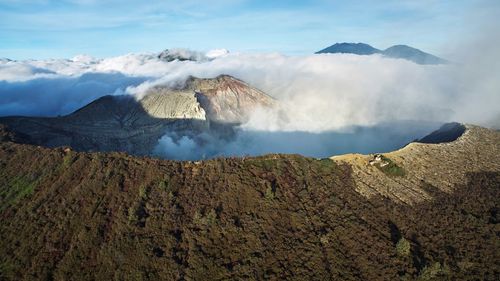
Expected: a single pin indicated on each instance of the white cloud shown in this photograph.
(184, 148)
(213, 54)
(327, 92)
(13, 71)
(316, 92)
(318, 95)
(55, 94)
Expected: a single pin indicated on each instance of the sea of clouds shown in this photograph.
(322, 97)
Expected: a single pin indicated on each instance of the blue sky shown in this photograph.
(64, 28)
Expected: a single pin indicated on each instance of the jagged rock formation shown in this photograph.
(109, 216)
(164, 103)
(396, 51)
(427, 167)
(121, 123)
(226, 99)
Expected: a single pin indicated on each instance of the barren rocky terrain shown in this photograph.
(427, 167)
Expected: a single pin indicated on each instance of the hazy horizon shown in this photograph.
(43, 29)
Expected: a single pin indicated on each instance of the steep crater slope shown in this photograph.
(110, 216)
(400, 174)
(228, 100)
(122, 123)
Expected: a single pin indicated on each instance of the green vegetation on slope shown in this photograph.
(15, 189)
(388, 167)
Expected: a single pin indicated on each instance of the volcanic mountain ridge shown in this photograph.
(122, 123)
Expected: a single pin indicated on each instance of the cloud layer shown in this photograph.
(249, 142)
(319, 95)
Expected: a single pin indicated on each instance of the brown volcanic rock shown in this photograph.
(227, 99)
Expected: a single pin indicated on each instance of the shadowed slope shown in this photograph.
(111, 123)
(447, 133)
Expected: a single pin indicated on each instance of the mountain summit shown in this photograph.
(412, 54)
(350, 48)
(396, 51)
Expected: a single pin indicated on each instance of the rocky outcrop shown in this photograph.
(227, 99)
(164, 103)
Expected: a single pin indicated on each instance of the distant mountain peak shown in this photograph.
(397, 51)
(412, 54)
(350, 48)
(180, 55)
